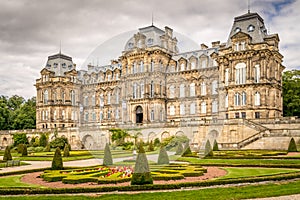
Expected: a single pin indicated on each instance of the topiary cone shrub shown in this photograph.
(208, 150)
(7, 155)
(215, 147)
(151, 146)
(141, 174)
(24, 151)
(163, 158)
(66, 151)
(179, 149)
(107, 160)
(187, 151)
(57, 163)
(292, 146)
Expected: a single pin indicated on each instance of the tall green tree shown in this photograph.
(118, 136)
(291, 93)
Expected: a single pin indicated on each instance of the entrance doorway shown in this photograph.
(139, 115)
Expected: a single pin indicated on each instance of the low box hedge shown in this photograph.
(80, 179)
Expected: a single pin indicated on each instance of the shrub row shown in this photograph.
(12, 191)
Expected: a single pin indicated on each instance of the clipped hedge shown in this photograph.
(78, 180)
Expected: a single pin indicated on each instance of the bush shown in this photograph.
(292, 146)
(208, 150)
(43, 140)
(215, 147)
(156, 142)
(59, 142)
(142, 174)
(107, 160)
(163, 157)
(7, 155)
(20, 148)
(24, 151)
(57, 163)
(20, 138)
(66, 151)
(179, 149)
(175, 141)
(38, 149)
(47, 148)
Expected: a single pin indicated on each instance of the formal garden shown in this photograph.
(173, 171)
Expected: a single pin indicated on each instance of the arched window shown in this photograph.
(117, 96)
(101, 100)
(244, 98)
(203, 107)
(193, 108)
(86, 116)
(240, 73)
(237, 100)
(257, 74)
(203, 89)
(181, 90)
(93, 100)
(63, 115)
(214, 106)
(86, 101)
(152, 115)
(193, 64)
(54, 115)
(214, 87)
(192, 90)
(46, 97)
(134, 68)
(257, 99)
(151, 66)
(93, 116)
(73, 100)
(172, 91)
(182, 109)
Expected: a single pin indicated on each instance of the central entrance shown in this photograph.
(139, 115)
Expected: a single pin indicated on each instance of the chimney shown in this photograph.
(203, 46)
(215, 44)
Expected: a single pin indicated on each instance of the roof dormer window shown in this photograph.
(237, 29)
(150, 41)
(251, 28)
(130, 45)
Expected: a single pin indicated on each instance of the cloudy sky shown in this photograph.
(31, 30)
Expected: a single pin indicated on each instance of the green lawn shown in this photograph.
(242, 192)
(258, 162)
(14, 181)
(254, 172)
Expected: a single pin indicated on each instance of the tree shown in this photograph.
(208, 150)
(20, 138)
(7, 155)
(187, 151)
(141, 174)
(215, 147)
(135, 136)
(66, 151)
(118, 136)
(151, 147)
(107, 160)
(43, 140)
(24, 151)
(292, 146)
(179, 149)
(156, 142)
(291, 93)
(163, 157)
(57, 163)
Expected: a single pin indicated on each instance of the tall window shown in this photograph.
(93, 116)
(172, 91)
(257, 74)
(152, 89)
(73, 100)
(226, 101)
(141, 66)
(134, 68)
(193, 64)
(54, 97)
(152, 115)
(134, 90)
(203, 63)
(117, 96)
(86, 116)
(181, 90)
(86, 101)
(244, 98)
(101, 100)
(93, 100)
(63, 115)
(151, 66)
(214, 87)
(237, 100)
(108, 98)
(226, 76)
(203, 89)
(101, 115)
(214, 106)
(46, 97)
(117, 116)
(203, 107)
(257, 99)
(182, 66)
(172, 110)
(193, 108)
(240, 73)
(63, 95)
(142, 90)
(108, 114)
(192, 90)
(182, 109)
(54, 115)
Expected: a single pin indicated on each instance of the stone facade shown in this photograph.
(211, 93)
